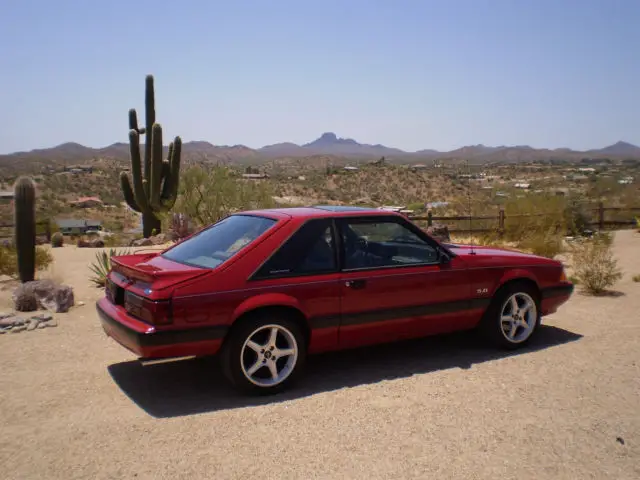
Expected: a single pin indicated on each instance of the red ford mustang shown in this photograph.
(263, 289)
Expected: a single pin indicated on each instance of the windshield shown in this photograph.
(220, 242)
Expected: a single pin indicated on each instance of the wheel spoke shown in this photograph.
(514, 305)
(506, 319)
(287, 352)
(273, 368)
(513, 330)
(273, 337)
(254, 346)
(255, 367)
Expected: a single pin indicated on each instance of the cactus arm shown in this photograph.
(172, 181)
(129, 197)
(156, 167)
(136, 171)
(150, 114)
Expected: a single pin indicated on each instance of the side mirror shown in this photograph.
(443, 257)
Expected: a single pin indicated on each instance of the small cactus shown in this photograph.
(57, 240)
(25, 227)
(155, 183)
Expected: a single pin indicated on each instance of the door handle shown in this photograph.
(355, 284)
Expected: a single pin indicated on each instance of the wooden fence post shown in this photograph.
(429, 218)
(501, 217)
(47, 231)
(601, 215)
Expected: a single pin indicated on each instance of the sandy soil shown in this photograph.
(74, 404)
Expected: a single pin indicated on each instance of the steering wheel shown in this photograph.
(361, 243)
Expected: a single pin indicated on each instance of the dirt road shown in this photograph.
(73, 404)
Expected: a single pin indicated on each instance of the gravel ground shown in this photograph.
(75, 405)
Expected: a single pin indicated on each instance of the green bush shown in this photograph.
(102, 265)
(57, 240)
(208, 194)
(9, 260)
(594, 264)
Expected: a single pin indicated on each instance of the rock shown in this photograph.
(439, 232)
(24, 299)
(142, 242)
(7, 322)
(18, 321)
(80, 304)
(6, 315)
(43, 317)
(2, 330)
(47, 294)
(42, 325)
(160, 239)
(18, 329)
(51, 323)
(33, 324)
(90, 243)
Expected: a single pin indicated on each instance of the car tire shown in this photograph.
(247, 356)
(509, 329)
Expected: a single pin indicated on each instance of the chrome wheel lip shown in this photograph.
(265, 354)
(517, 325)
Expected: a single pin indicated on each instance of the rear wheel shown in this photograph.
(264, 354)
(513, 317)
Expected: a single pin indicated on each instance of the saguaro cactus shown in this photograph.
(155, 186)
(25, 227)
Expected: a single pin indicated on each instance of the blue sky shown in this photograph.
(407, 73)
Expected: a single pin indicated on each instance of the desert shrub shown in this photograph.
(546, 244)
(102, 265)
(9, 260)
(538, 223)
(576, 218)
(594, 264)
(636, 278)
(208, 194)
(57, 240)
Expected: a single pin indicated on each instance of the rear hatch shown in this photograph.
(143, 283)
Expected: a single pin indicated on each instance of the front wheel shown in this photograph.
(513, 317)
(264, 355)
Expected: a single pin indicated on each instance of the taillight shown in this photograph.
(563, 276)
(156, 312)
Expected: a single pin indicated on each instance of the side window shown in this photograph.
(383, 244)
(311, 250)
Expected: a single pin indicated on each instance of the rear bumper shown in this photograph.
(146, 342)
(555, 296)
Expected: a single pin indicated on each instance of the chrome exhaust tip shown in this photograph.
(156, 361)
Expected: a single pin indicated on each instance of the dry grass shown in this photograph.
(75, 405)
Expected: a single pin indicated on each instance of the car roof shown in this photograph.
(320, 211)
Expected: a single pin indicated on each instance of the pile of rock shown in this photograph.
(9, 322)
(43, 294)
(159, 239)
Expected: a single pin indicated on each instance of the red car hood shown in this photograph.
(499, 255)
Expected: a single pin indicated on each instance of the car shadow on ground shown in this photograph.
(198, 386)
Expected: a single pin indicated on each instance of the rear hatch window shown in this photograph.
(218, 243)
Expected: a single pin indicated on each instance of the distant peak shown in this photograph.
(328, 136)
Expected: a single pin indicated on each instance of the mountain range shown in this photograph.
(327, 144)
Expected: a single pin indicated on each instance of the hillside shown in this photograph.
(327, 145)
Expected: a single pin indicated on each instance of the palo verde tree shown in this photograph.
(155, 186)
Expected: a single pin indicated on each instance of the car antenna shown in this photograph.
(472, 252)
